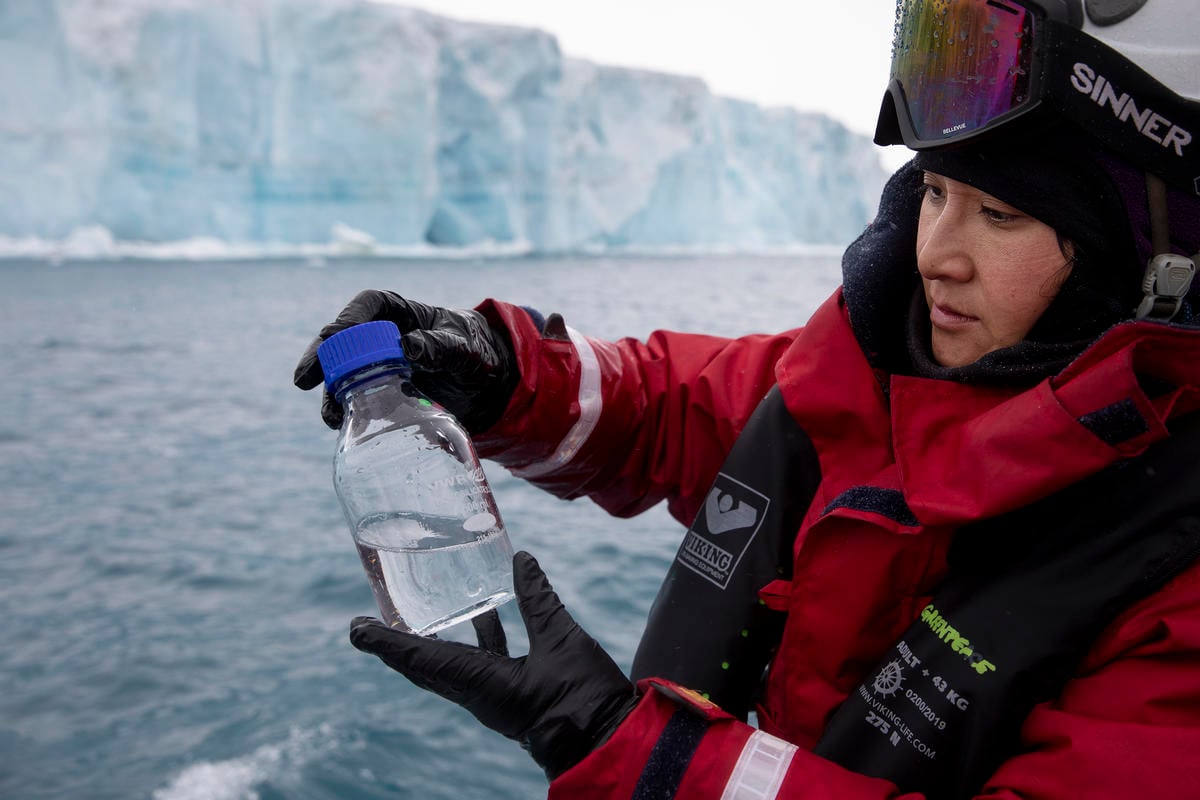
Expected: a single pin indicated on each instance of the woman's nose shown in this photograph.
(943, 244)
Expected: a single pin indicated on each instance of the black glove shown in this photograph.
(559, 702)
(458, 359)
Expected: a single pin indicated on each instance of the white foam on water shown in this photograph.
(96, 243)
(236, 778)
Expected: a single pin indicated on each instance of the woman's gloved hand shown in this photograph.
(559, 702)
(458, 359)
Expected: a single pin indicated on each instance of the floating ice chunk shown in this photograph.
(349, 241)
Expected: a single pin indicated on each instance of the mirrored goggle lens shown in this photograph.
(962, 64)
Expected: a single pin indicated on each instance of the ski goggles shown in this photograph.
(961, 68)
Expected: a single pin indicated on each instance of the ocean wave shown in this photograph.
(236, 778)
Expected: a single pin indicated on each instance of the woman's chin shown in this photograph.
(953, 351)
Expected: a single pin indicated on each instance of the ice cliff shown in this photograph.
(283, 120)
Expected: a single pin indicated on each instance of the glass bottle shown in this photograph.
(415, 496)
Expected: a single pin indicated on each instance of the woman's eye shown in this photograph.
(931, 192)
(996, 216)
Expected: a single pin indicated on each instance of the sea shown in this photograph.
(176, 577)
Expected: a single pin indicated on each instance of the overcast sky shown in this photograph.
(814, 55)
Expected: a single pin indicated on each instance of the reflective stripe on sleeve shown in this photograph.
(760, 768)
(590, 403)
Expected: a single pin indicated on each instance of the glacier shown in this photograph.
(289, 122)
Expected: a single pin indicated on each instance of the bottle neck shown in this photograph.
(369, 378)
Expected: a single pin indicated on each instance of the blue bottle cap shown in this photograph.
(359, 346)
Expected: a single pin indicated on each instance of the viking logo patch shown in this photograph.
(725, 527)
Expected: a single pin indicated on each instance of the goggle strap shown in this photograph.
(1117, 104)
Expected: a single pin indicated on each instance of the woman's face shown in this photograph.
(989, 271)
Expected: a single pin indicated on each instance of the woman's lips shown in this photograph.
(946, 317)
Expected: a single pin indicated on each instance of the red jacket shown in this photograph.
(629, 424)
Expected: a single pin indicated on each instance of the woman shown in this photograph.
(957, 513)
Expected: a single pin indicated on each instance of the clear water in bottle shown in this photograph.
(416, 499)
(422, 569)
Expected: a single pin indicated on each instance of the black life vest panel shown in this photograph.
(707, 629)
